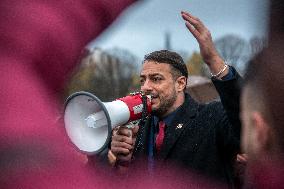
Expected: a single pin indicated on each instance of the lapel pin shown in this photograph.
(179, 126)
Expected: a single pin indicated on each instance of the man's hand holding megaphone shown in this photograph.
(122, 144)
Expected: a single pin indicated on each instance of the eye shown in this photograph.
(156, 79)
(142, 81)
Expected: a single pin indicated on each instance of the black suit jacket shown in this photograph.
(203, 138)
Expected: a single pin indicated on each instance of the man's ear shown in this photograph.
(262, 132)
(181, 83)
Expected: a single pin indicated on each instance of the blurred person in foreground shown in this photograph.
(262, 114)
(40, 43)
(262, 109)
(182, 134)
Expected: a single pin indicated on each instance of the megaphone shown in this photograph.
(89, 121)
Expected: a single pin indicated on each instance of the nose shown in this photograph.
(146, 87)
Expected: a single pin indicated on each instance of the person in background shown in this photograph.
(40, 43)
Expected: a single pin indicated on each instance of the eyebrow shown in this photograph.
(152, 75)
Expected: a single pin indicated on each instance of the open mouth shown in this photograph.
(154, 97)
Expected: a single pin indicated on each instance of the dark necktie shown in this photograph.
(160, 136)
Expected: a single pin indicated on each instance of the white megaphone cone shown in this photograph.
(89, 122)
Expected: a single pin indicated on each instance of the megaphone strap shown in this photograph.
(141, 125)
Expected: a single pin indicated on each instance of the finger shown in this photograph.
(241, 158)
(120, 138)
(119, 150)
(122, 145)
(124, 131)
(114, 132)
(135, 130)
(244, 156)
(190, 15)
(192, 30)
(115, 129)
(196, 22)
(111, 158)
(111, 155)
(124, 158)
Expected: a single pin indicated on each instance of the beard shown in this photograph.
(165, 105)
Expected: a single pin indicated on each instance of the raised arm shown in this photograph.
(206, 45)
(228, 87)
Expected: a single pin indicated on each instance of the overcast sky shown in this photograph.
(141, 29)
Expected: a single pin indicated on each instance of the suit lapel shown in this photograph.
(182, 120)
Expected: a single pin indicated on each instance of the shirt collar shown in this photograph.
(168, 119)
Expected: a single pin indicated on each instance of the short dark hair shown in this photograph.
(169, 57)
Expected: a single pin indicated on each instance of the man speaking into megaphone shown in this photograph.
(181, 132)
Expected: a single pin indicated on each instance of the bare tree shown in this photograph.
(234, 50)
(105, 75)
